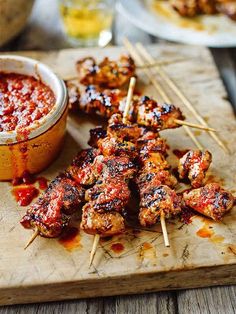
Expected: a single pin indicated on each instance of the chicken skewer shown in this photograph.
(107, 102)
(51, 212)
(154, 181)
(126, 111)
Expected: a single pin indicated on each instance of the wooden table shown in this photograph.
(44, 32)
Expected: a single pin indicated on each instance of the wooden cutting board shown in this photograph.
(202, 253)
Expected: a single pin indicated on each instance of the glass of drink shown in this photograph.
(87, 22)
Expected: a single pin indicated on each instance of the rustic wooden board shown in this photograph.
(50, 271)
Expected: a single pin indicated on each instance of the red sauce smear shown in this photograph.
(146, 246)
(186, 215)
(23, 100)
(43, 183)
(24, 191)
(117, 247)
(70, 238)
(180, 153)
(204, 232)
(25, 194)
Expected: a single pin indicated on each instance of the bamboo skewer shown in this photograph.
(164, 229)
(125, 115)
(94, 248)
(193, 125)
(157, 86)
(180, 94)
(33, 237)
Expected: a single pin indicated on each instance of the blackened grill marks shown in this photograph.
(52, 211)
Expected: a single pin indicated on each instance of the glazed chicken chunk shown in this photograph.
(156, 200)
(210, 200)
(193, 165)
(108, 73)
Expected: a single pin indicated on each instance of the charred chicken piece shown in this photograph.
(81, 169)
(154, 201)
(193, 165)
(188, 8)
(105, 224)
(158, 117)
(124, 131)
(113, 146)
(107, 195)
(154, 181)
(228, 8)
(108, 73)
(191, 8)
(51, 212)
(95, 135)
(113, 167)
(207, 6)
(210, 200)
(104, 103)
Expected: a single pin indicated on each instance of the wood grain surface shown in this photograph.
(49, 271)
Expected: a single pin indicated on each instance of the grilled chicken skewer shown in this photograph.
(155, 182)
(126, 111)
(144, 111)
(51, 212)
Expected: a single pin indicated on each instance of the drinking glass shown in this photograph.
(87, 22)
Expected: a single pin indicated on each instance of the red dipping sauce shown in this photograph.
(23, 100)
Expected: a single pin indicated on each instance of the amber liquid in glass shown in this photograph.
(87, 23)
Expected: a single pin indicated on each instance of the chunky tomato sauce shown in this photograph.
(23, 100)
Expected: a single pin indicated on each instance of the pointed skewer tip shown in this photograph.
(94, 248)
(33, 237)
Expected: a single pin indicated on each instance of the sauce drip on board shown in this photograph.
(117, 247)
(24, 190)
(25, 194)
(70, 238)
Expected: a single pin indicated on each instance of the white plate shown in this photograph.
(217, 31)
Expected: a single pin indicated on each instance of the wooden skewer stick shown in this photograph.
(129, 98)
(193, 125)
(164, 230)
(180, 94)
(33, 237)
(157, 86)
(125, 115)
(94, 248)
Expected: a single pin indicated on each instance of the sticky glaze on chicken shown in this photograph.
(156, 200)
(192, 8)
(121, 138)
(210, 200)
(144, 111)
(109, 196)
(108, 73)
(156, 116)
(154, 181)
(51, 212)
(193, 165)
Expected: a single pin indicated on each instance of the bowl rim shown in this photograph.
(46, 122)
